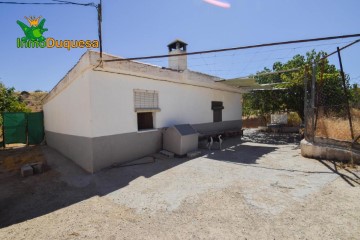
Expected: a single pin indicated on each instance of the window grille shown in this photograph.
(146, 100)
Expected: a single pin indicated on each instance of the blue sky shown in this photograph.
(142, 27)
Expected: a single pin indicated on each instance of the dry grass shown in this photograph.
(293, 119)
(252, 122)
(33, 100)
(338, 128)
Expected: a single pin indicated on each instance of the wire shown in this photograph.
(56, 2)
(342, 48)
(238, 48)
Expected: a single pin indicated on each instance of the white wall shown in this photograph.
(112, 103)
(69, 111)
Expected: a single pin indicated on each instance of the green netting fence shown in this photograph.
(27, 128)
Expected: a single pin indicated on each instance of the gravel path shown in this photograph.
(256, 188)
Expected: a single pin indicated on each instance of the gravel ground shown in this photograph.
(259, 187)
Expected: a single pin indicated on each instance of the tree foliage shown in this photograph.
(289, 93)
(9, 101)
(355, 96)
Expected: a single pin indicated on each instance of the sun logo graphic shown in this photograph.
(35, 31)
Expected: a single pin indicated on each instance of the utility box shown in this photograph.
(180, 139)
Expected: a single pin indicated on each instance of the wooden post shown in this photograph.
(3, 128)
(99, 11)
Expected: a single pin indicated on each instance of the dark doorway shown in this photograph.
(217, 108)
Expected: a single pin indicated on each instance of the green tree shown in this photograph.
(9, 102)
(355, 95)
(290, 94)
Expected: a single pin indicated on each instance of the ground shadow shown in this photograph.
(252, 135)
(332, 165)
(234, 152)
(239, 152)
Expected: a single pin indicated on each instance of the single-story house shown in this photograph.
(101, 114)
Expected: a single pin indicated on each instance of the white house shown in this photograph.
(114, 112)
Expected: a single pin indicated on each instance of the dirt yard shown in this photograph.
(255, 188)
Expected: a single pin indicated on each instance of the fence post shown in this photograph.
(313, 81)
(305, 104)
(346, 94)
(3, 128)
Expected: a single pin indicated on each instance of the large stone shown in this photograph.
(193, 154)
(167, 153)
(38, 167)
(26, 170)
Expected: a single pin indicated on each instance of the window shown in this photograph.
(217, 108)
(146, 103)
(145, 120)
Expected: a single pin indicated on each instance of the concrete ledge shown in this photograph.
(328, 152)
(215, 127)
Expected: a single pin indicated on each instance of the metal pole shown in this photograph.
(319, 91)
(305, 104)
(313, 80)
(346, 93)
(99, 10)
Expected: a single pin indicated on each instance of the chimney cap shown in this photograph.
(177, 44)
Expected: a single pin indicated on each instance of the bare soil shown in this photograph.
(259, 187)
(13, 159)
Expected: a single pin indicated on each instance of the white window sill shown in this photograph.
(147, 130)
(140, 110)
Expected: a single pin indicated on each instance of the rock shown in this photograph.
(38, 167)
(167, 153)
(27, 170)
(193, 154)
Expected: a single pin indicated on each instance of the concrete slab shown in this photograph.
(167, 153)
